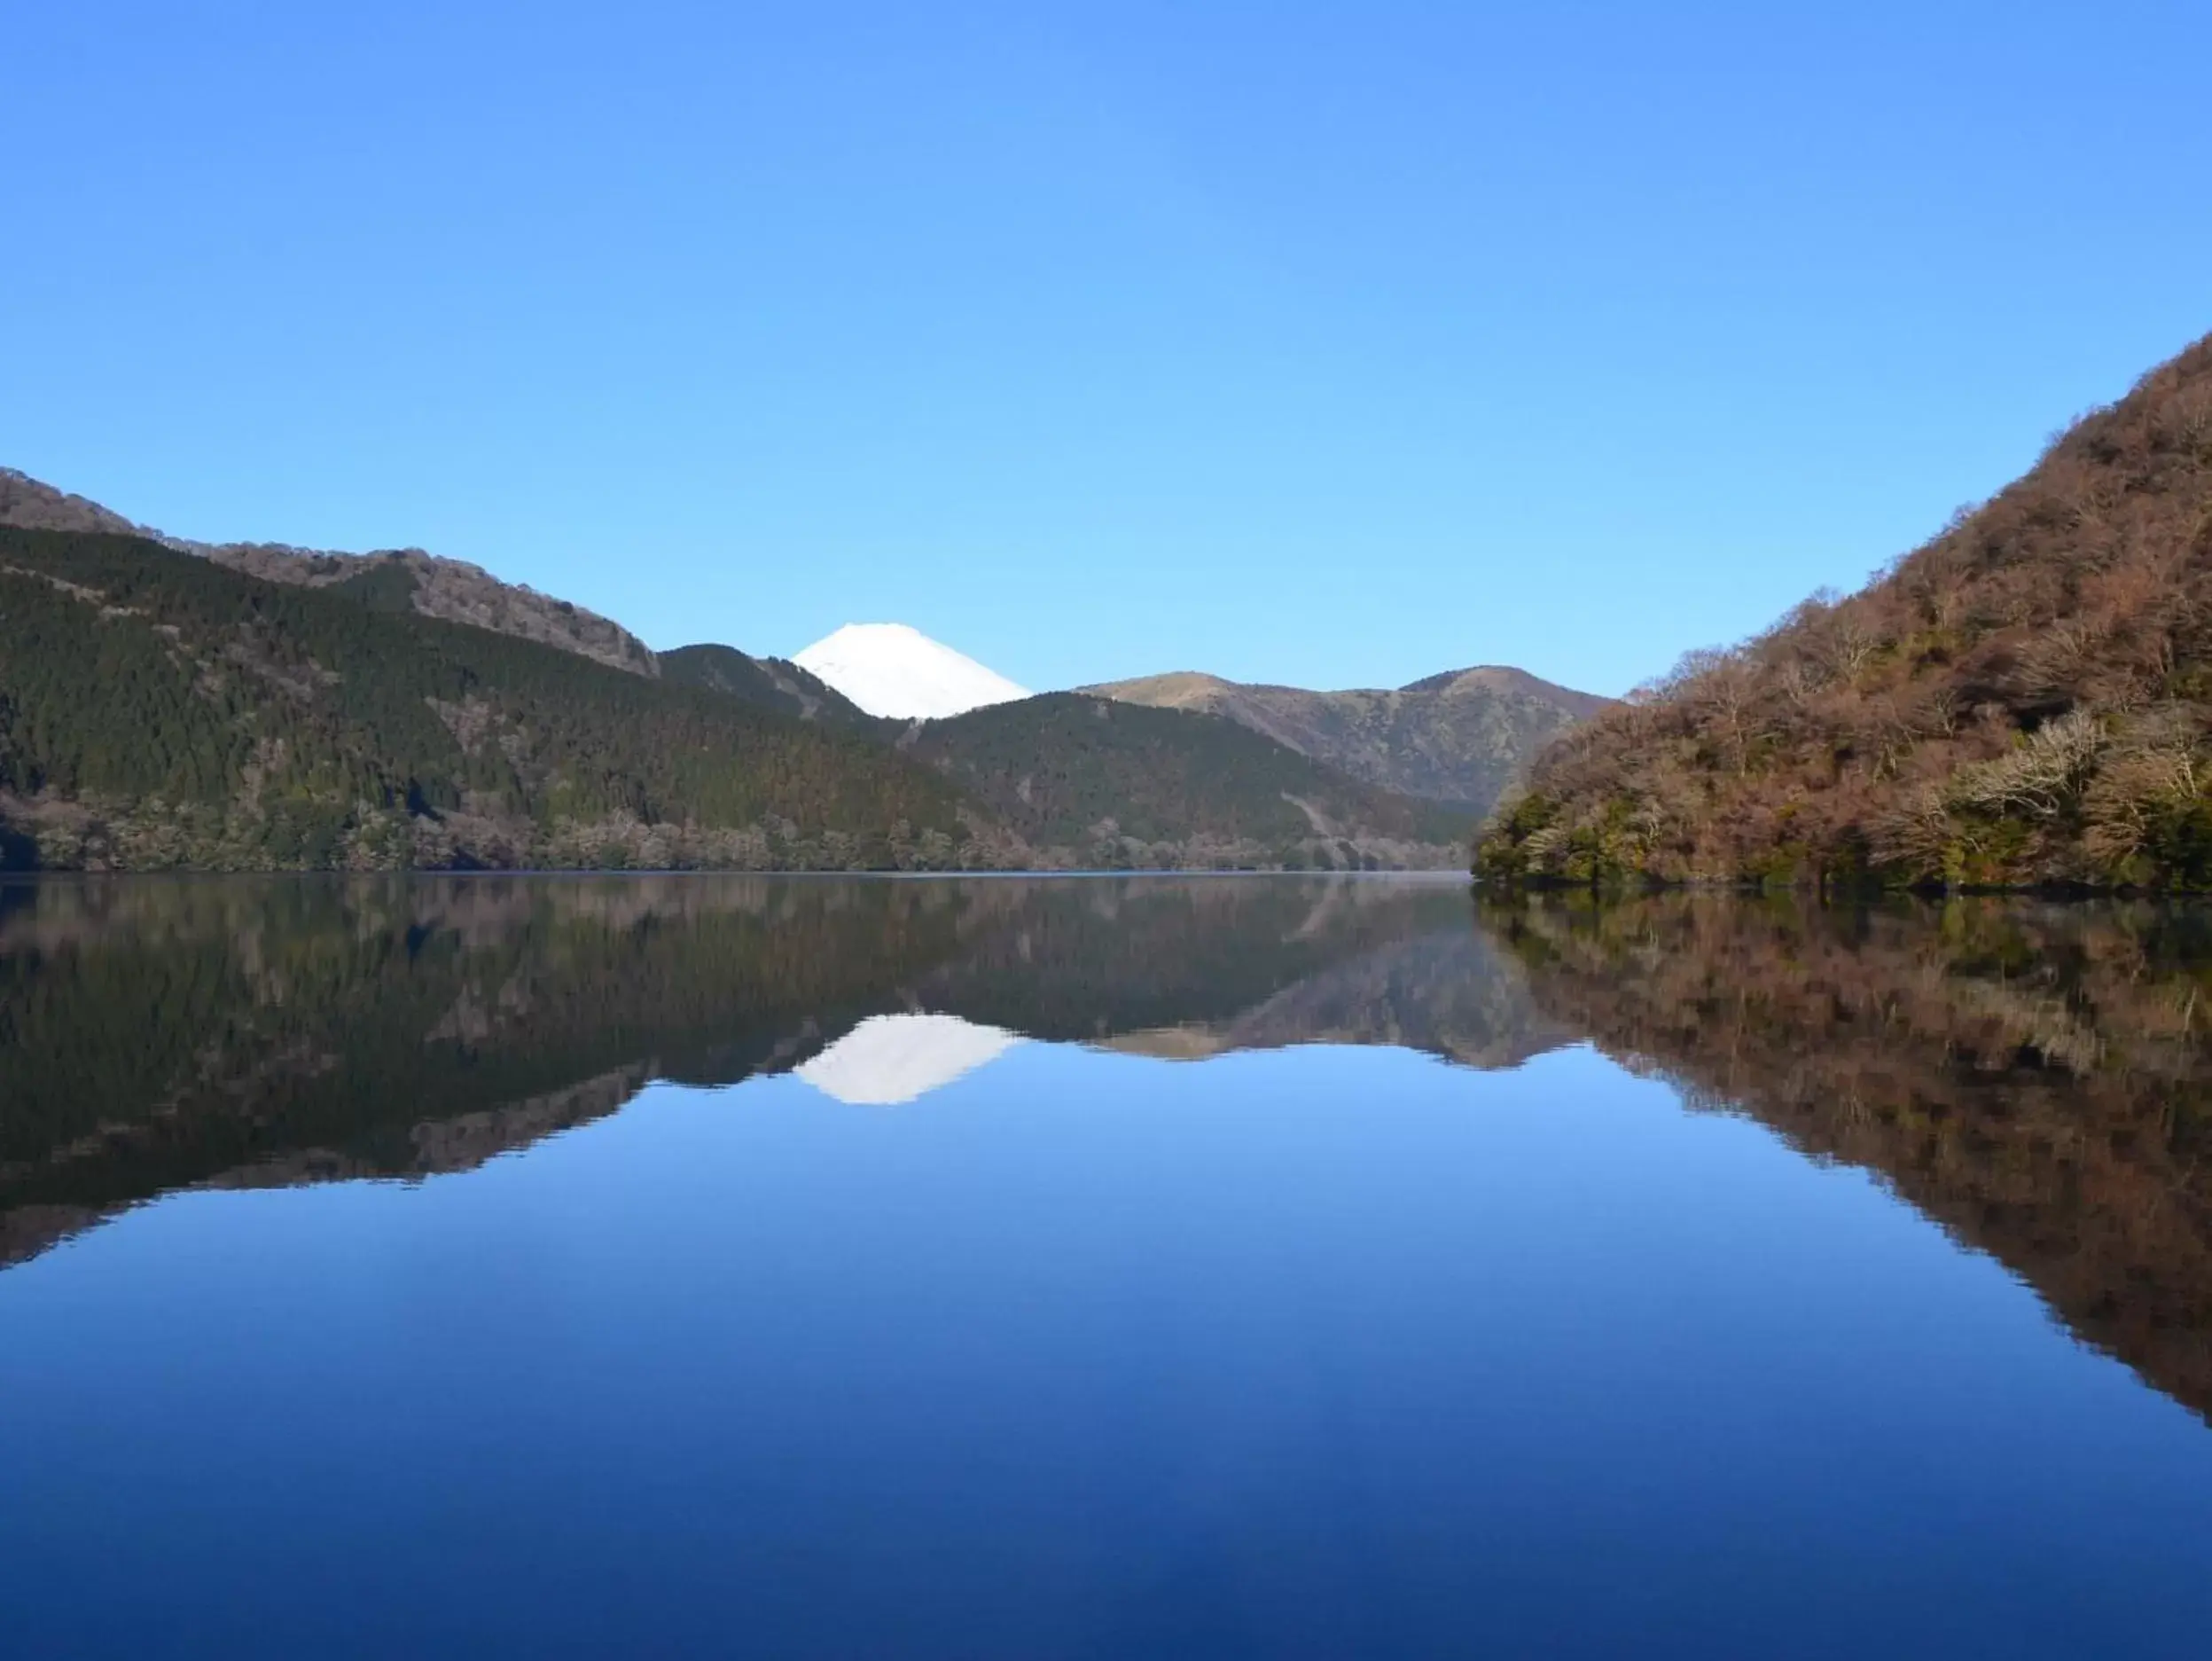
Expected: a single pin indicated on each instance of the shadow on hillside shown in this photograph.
(18, 852)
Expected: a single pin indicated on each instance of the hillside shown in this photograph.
(404, 579)
(1098, 783)
(28, 504)
(158, 710)
(1458, 738)
(2025, 700)
(168, 704)
(772, 683)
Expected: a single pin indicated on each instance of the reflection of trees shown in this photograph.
(2034, 1077)
(1444, 993)
(156, 1034)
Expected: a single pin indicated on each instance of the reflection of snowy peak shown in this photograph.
(890, 669)
(889, 1059)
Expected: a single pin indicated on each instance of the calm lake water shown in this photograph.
(1129, 1268)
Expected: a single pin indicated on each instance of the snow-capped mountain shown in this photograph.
(890, 669)
(890, 1059)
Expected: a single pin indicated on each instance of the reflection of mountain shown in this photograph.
(887, 1060)
(1441, 992)
(159, 1035)
(2034, 1079)
(2039, 1079)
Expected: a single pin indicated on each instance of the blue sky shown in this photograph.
(1334, 344)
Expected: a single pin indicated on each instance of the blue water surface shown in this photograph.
(1329, 1351)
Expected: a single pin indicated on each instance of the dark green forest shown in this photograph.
(1114, 784)
(773, 683)
(159, 710)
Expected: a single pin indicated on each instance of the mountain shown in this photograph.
(26, 503)
(890, 669)
(160, 709)
(1458, 738)
(772, 683)
(408, 579)
(2025, 700)
(167, 704)
(404, 579)
(1090, 782)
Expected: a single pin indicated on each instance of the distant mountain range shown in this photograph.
(166, 703)
(1110, 785)
(1458, 738)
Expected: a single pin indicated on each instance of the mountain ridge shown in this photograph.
(161, 711)
(395, 579)
(157, 710)
(154, 713)
(1459, 737)
(1113, 786)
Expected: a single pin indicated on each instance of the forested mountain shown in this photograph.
(408, 579)
(1458, 738)
(404, 579)
(2026, 698)
(773, 683)
(172, 704)
(158, 710)
(1099, 783)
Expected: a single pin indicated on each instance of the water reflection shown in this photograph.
(158, 1035)
(2032, 1076)
(887, 1060)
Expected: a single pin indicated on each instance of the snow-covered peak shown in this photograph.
(889, 1059)
(890, 669)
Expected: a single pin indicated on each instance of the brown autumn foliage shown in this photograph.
(2025, 700)
(2032, 1076)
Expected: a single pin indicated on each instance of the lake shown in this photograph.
(1146, 1267)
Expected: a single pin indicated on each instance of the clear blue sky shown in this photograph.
(1328, 344)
